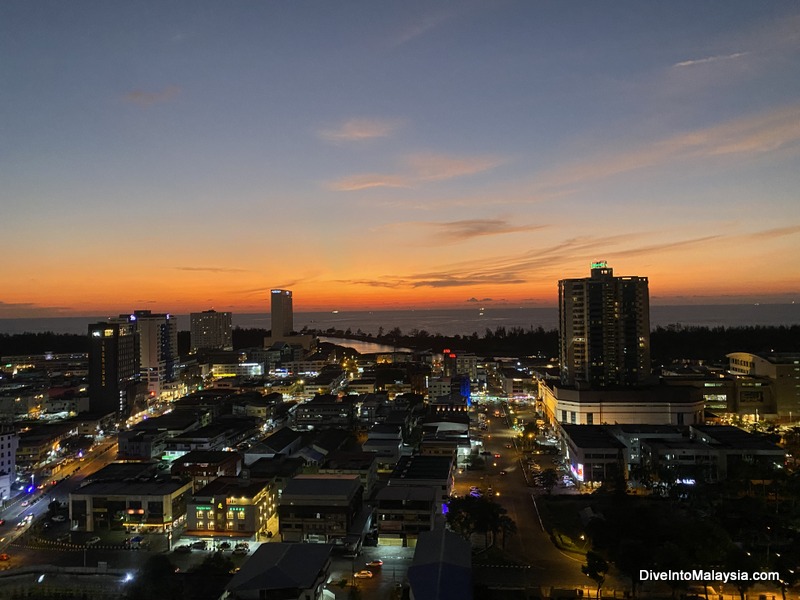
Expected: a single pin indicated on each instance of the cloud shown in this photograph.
(212, 269)
(709, 59)
(542, 264)
(438, 167)
(146, 99)
(358, 130)
(758, 134)
(474, 299)
(365, 182)
(28, 309)
(417, 169)
(472, 228)
(775, 233)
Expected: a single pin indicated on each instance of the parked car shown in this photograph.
(201, 545)
(92, 541)
(241, 551)
(185, 549)
(58, 519)
(365, 574)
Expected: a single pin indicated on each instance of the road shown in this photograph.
(531, 544)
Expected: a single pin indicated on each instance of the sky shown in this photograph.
(186, 155)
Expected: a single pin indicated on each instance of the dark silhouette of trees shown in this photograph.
(596, 568)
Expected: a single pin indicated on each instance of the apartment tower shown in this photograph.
(211, 330)
(113, 367)
(604, 329)
(282, 316)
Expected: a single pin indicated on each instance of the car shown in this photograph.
(185, 549)
(4, 557)
(200, 545)
(509, 446)
(503, 472)
(497, 455)
(224, 546)
(2, 521)
(92, 541)
(365, 574)
(375, 563)
(26, 503)
(241, 551)
(58, 518)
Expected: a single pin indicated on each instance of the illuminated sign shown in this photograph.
(600, 264)
(577, 471)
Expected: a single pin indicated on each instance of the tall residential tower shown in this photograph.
(604, 329)
(282, 316)
(211, 330)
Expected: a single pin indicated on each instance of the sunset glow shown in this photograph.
(395, 155)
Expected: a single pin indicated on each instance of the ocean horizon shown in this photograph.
(454, 321)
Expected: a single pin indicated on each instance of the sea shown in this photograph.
(457, 321)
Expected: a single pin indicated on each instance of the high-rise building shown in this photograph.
(211, 330)
(158, 347)
(113, 367)
(282, 316)
(604, 329)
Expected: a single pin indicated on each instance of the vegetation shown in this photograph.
(469, 515)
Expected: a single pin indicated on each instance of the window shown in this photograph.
(590, 418)
(241, 515)
(230, 515)
(200, 515)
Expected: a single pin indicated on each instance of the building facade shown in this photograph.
(282, 314)
(113, 367)
(211, 330)
(604, 329)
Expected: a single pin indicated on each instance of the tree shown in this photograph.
(739, 560)
(468, 515)
(595, 568)
(156, 579)
(214, 564)
(549, 479)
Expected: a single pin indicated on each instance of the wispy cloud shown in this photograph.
(143, 98)
(472, 228)
(28, 309)
(744, 136)
(365, 182)
(709, 59)
(359, 130)
(417, 169)
(536, 265)
(212, 269)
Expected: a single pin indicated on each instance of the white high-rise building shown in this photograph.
(158, 348)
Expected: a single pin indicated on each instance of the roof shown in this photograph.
(281, 566)
(276, 466)
(233, 486)
(279, 440)
(422, 467)
(118, 471)
(442, 566)
(728, 436)
(134, 487)
(322, 486)
(591, 436)
(205, 457)
(407, 492)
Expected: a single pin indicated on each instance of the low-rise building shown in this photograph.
(282, 570)
(204, 466)
(156, 504)
(232, 507)
(404, 512)
(320, 508)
